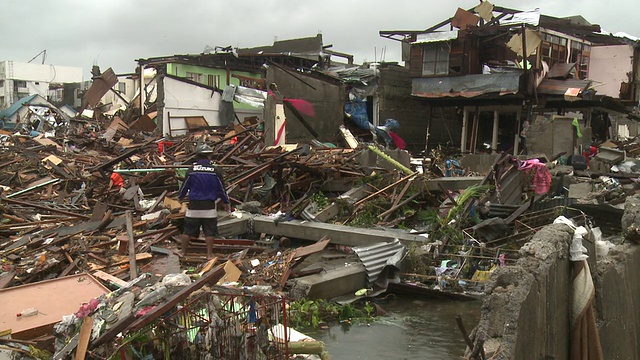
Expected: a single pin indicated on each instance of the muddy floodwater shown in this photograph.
(412, 329)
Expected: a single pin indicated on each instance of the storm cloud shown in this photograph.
(115, 33)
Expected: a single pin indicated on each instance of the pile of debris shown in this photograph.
(307, 217)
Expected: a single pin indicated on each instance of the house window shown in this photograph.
(553, 49)
(580, 55)
(435, 59)
(213, 81)
(1, 102)
(1, 83)
(17, 84)
(122, 88)
(194, 77)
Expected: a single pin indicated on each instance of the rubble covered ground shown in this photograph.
(318, 230)
(59, 219)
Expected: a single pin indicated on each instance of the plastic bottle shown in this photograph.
(27, 312)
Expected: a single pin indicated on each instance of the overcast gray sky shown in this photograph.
(115, 33)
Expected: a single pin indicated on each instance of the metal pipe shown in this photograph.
(52, 181)
(128, 171)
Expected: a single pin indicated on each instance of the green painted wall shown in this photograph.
(181, 70)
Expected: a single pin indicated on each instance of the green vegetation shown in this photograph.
(310, 314)
(321, 200)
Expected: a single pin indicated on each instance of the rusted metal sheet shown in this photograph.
(560, 70)
(466, 86)
(559, 87)
(101, 85)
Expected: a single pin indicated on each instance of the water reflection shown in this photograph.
(412, 329)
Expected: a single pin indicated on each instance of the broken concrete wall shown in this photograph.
(526, 310)
(610, 67)
(617, 302)
(552, 135)
(478, 162)
(396, 102)
(326, 97)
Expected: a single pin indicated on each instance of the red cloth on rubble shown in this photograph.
(116, 180)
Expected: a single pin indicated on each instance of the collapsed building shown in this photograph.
(325, 186)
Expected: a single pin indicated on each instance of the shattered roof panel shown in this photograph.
(375, 257)
(466, 86)
(436, 37)
(560, 70)
(8, 112)
(559, 87)
(531, 17)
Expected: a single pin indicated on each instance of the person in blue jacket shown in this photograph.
(203, 186)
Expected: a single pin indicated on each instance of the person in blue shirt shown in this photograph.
(203, 186)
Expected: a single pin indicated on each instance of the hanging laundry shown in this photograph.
(577, 125)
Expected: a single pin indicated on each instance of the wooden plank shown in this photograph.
(69, 268)
(133, 272)
(312, 249)
(6, 278)
(386, 188)
(139, 257)
(109, 278)
(85, 336)
(42, 207)
(153, 207)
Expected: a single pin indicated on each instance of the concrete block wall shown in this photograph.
(526, 310)
(617, 302)
(397, 103)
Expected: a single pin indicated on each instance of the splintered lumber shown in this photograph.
(386, 188)
(109, 278)
(396, 207)
(85, 336)
(70, 268)
(42, 207)
(139, 257)
(133, 272)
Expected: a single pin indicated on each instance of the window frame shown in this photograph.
(437, 63)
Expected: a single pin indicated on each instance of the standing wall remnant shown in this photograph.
(527, 306)
(526, 310)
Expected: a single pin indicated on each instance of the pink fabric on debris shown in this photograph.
(303, 106)
(542, 177)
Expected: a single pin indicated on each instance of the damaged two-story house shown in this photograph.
(489, 72)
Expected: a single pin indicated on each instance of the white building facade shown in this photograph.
(18, 80)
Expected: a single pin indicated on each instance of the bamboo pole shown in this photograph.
(389, 159)
(385, 188)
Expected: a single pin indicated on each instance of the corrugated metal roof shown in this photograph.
(377, 256)
(466, 86)
(436, 37)
(8, 112)
(559, 87)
